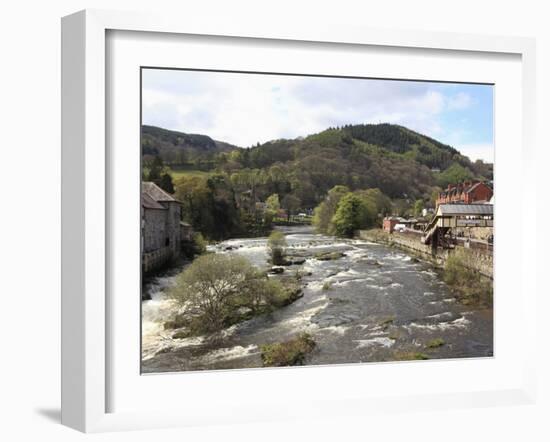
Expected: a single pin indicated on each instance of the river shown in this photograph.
(373, 304)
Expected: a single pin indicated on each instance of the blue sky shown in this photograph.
(244, 109)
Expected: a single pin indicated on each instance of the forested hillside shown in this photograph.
(404, 165)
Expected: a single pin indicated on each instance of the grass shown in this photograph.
(288, 353)
(435, 343)
(178, 173)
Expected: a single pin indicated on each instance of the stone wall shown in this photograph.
(154, 230)
(477, 260)
(156, 259)
(161, 235)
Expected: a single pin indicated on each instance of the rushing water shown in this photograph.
(373, 304)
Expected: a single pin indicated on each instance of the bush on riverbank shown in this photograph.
(292, 352)
(219, 290)
(469, 285)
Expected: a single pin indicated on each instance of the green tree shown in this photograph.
(214, 287)
(156, 169)
(276, 244)
(456, 173)
(323, 213)
(210, 285)
(165, 182)
(418, 207)
(273, 204)
(352, 213)
(291, 204)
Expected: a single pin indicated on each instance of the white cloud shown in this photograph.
(478, 151)
(244, 109)
(460, 101)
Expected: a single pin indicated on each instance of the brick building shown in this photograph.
(468, 192)
(161, 229)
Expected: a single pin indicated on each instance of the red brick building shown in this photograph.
(468, 192)
(388, 224)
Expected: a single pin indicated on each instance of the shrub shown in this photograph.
(276, 244)
(435, 343)
(199, 244)
(218, 290)
(292, 352)
(461, 276)
(209, 285)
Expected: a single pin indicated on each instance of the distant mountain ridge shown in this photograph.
(168, 144)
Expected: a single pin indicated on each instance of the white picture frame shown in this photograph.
(86, 316)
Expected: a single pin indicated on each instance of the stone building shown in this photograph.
(161, 230)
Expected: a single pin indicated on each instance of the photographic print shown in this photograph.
(293, 220)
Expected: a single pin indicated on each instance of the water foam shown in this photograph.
(383, 342)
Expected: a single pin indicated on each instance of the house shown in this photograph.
(468, 192)
(389, 223)
(161, 231)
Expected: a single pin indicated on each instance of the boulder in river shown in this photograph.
(276, 270)
(294, 261)
(329, 256)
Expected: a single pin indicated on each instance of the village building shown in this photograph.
(468, 192)
(397, 223)
(161, 227)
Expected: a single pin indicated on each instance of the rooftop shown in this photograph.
(465, 209)
(156, 193)
(150, 203)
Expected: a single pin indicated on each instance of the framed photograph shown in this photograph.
(291, 223)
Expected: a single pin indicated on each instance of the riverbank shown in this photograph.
(468, 272)
(475, 260)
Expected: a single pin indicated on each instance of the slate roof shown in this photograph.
(150, 203)
(156, 193)
(465, 209)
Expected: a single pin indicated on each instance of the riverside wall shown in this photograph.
(479, 261)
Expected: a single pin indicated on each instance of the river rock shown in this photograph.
(296, 261)
(276, 270)
(329, 256)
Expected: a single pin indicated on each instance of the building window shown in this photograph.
(167, 242)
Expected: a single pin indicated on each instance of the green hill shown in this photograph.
(178, 147)
(400, 162)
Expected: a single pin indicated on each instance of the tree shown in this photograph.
(352, 214)
(215, 286)
(156, 169)
(418, 207)
(291, 204)
(165, 182)
(456, 173)
(210, 284)
(324, 212)
(273, 204)
(276, 244)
